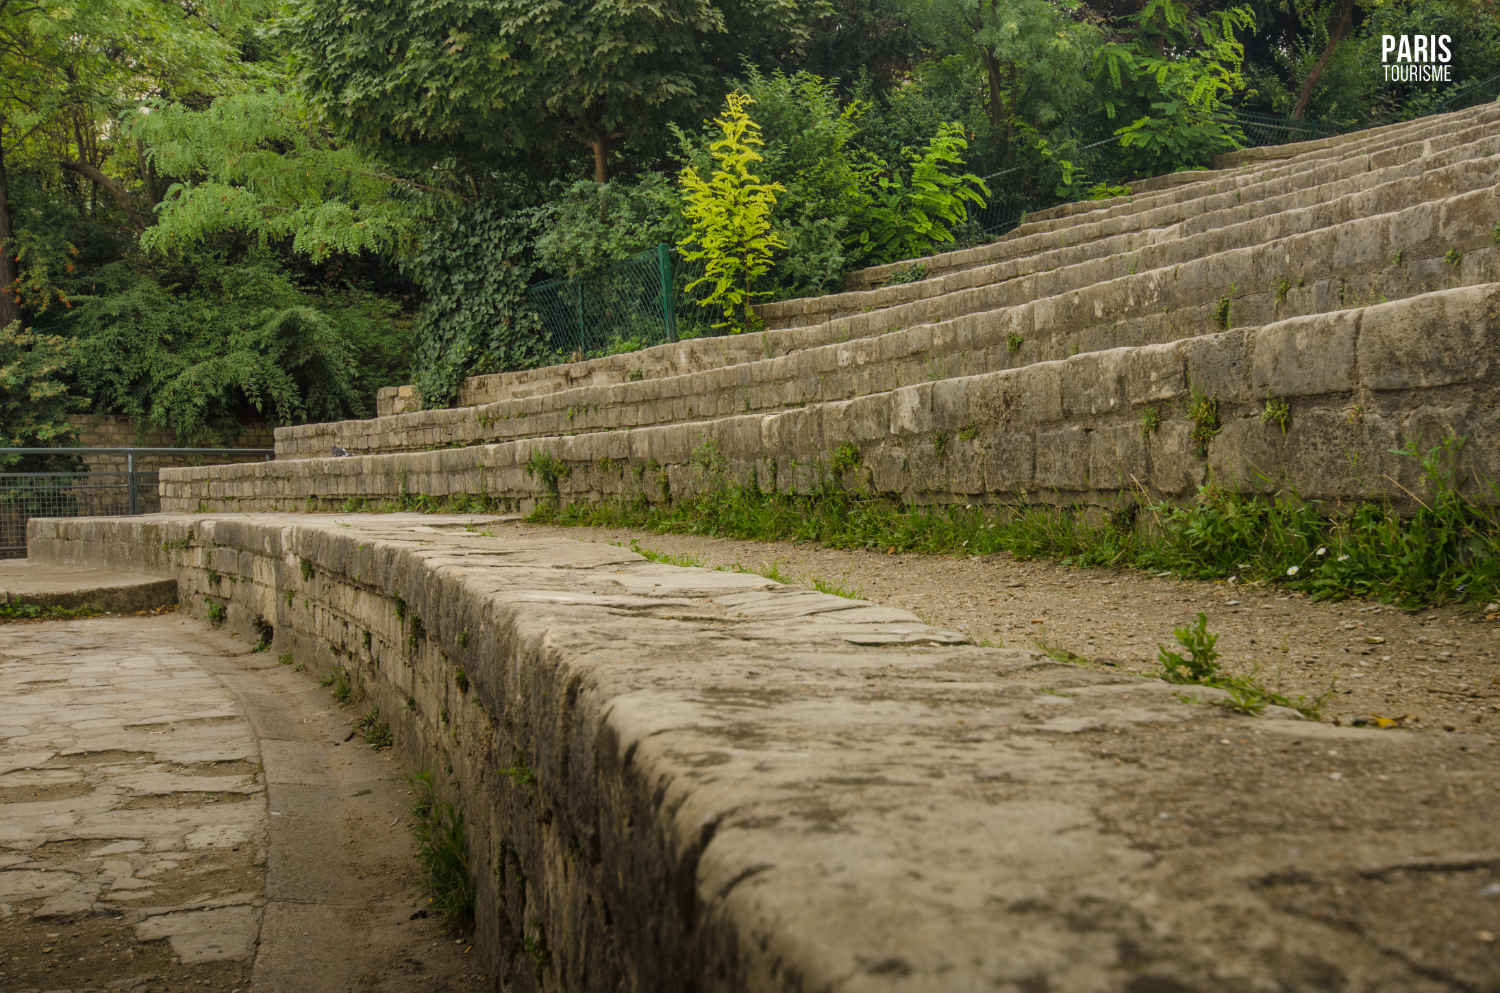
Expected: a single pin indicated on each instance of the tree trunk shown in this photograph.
(997, 106)
(10, 309)
(600, 145)
(1346, 18)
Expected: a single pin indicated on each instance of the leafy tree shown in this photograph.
(490, 80)
(730, 214)
(257, 166)
(1174, 75)
(67, 67)
(34, 400)
(197, 349)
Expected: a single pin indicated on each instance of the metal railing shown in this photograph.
(111, 482)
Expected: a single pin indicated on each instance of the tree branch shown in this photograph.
(109, 184)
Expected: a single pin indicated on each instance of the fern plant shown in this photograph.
(909, 219)
(730, 215)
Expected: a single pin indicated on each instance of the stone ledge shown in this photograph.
(736, 786)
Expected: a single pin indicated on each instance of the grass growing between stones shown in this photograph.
(1447, 551)
(1200, 667)
(15, 611)
(443, 850)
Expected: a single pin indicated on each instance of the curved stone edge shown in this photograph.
(675, 779)
(26, 582)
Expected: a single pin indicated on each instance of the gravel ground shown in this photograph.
(1436, 669)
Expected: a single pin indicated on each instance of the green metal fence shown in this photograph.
(633, 304)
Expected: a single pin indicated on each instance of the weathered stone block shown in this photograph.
(1431, 340)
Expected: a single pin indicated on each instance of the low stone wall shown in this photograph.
(673, 779)
(1355, 385)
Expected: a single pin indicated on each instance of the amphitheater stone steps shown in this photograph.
(1221, 207)
(1044, 383)
(1160, 305)
(1356, 385)
(1277, 162)
(1426, 139)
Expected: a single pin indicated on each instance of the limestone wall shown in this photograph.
(1356, 384)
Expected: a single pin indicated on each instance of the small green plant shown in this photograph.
(1150, 421)
(550, 471)
(635, 375)
(443, 850)
(415, 634)
(1203, 411)
(844, 458)
(665, 558)
(1200, 665)
(940, 443)
(1013, 342)
(1277, 411)
(1222, 316)
(521, 775)
(914, 273)
(21, 611)
(968, 432)
(1104, 191)
(835, 590)
(307, 570)
(400, 606)
(1282, 289)
(216, 611)
(264, 633)
(1495, 234)
(730, 219)
(1399, 257)
(377, 733)
(214, 578)
(461, 680)
(285, 658)
(1453, 257)
(337, 683)
(463, 638)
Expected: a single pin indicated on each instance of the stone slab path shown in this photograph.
(178, 812)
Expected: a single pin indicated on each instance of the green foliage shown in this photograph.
(1172, 77)
(34, 400)
(730, 218)
(258, 165)
(1277, 411)
(910, 218)
(914, 273)
(194, 350)
(375, 732)
(474, 266)
(1447, 550)
(443, 850)
(549, 470)
(1200, 665)
(481, 82)
(593, 225)
(214, 610)
(1203, 412)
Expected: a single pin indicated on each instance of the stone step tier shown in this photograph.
(1098, 427)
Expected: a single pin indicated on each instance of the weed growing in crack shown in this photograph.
(834, 590)
(1200, 667)
(337, 682)
(264, 634)
(377, 733)
(1203, 411)
(443, 850)
(285, 658)
(1277, 411)
(215, 610)
(1150, 421)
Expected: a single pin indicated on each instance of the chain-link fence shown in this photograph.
(632, 304)
(113, 482)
